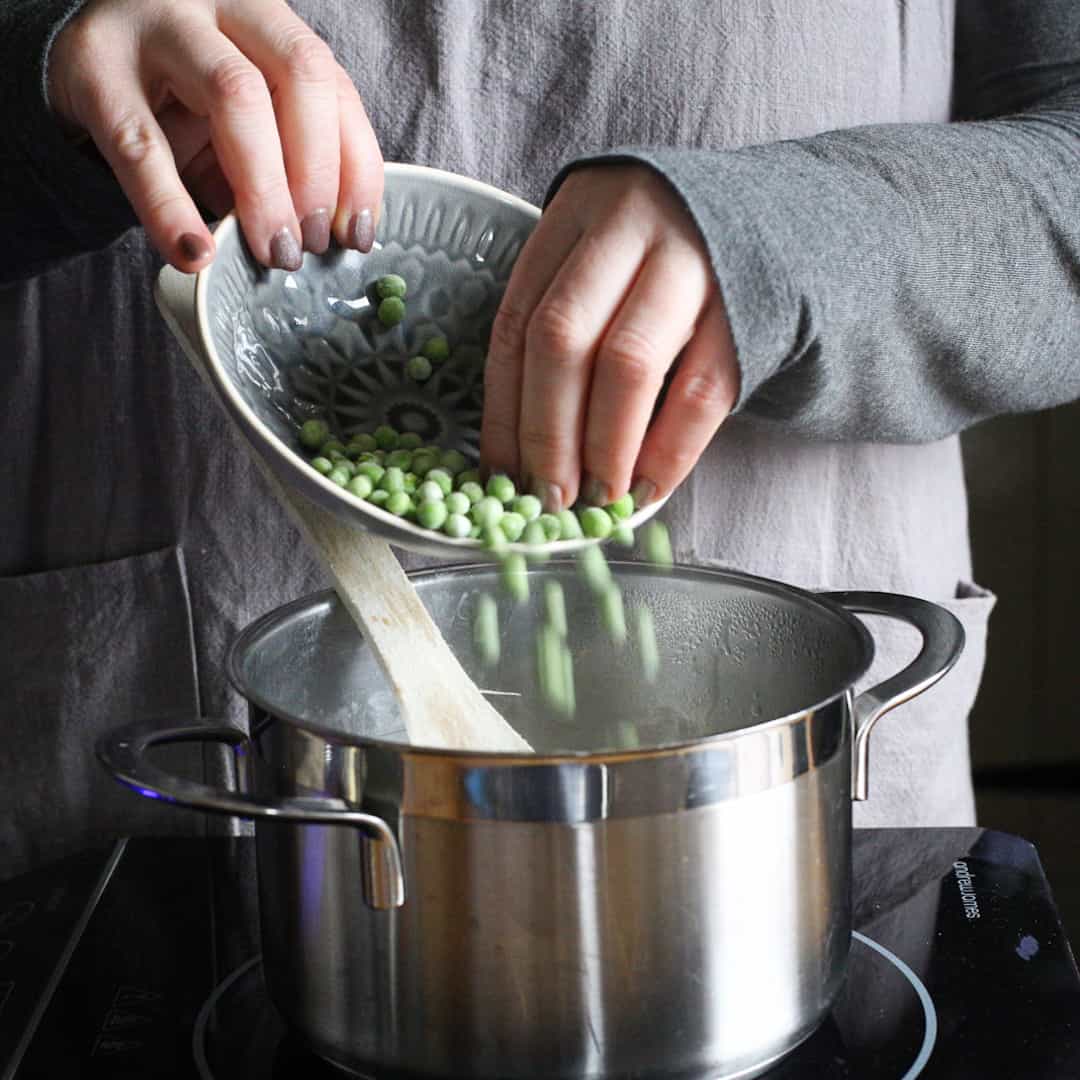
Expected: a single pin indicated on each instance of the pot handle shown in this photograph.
(943, 641)
(123, 752)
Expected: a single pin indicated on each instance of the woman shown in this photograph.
(836, 308)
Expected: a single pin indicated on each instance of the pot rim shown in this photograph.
(260, 626)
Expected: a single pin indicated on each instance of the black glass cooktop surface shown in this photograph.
(143, 962)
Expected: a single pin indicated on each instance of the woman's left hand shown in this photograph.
(611, 289)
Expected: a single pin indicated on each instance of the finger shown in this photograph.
(653, 323)
(360, 188)
(563, 335)
(543, 253)
(213, 78)
(128, 136)
(702, 393)
(302, 74)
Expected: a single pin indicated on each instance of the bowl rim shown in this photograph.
(285, 461)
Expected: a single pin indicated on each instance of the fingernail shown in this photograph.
(285, 252)
(594, 491)
(362, 231)
(550, 495)
(315, 231)
(193, 248)
(644, 491)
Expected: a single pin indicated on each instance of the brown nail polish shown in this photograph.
(644, 491)
(594, 491)
(285, 253)
(193, 248)
(362, 231)
(315, 231)
(550, 495)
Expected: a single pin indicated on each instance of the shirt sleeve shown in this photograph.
(901, 282)
(57, 198)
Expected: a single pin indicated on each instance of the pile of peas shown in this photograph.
(436, 489)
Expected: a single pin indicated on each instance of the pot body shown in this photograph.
(705, 939)
(661, 890)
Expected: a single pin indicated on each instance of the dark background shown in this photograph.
(1024, 479)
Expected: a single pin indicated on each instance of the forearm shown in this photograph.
(902, 282)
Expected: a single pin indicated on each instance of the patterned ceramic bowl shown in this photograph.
(282, 348)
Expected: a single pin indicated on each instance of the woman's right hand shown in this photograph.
(225, 103)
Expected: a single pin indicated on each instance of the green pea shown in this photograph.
(400, 459)
(474, 533)
(372, 470)
(551, 525)
(493, 537)
(646, 641)
(453, 461)
(596, 523)
(622, 508)
(322, 465)
(363, 443)
(528, 506)
(569, 697)
(393, 480)
(570, 527)
(555, 606)
(423, 462)
(623, 535)
(391, 311)
(379, 497)
(339, 476)
(515, 576)
(391, 285)
(658, 545)
(432, 448)
(551, 665)
(469, 476)
(399, 503)
(442, 478)
(457, 502)
(361, 486)
(313, 433)
(418, 368)
(432, 514)
(473, 492)
(386, 437)
(501, 487)
(436, 349)
(458, 526)
(487, 511)
(512, 525)
(332, 446)
(409, 441)
(594, 568)
(536, 538)
(429, 491)
(410, 482)
(486, 629)
(380, 456)
(612, 614)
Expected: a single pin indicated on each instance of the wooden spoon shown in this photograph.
(440, 704)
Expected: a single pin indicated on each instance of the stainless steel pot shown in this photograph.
(663, 890)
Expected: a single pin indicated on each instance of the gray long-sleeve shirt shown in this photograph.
(890, 278)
